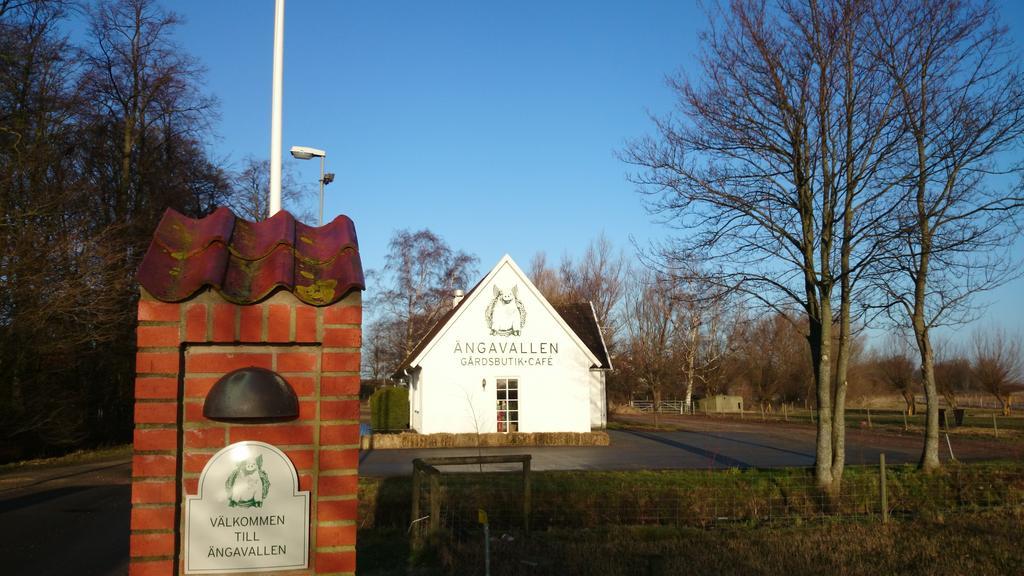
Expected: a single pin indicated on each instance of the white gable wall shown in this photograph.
(598, 400)
(454, 387)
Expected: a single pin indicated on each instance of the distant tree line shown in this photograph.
(97, 138)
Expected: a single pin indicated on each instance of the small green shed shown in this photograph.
(721, 404)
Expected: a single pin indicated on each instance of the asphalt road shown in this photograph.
(760, 447)
(66, 519)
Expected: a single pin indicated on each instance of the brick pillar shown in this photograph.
(183, 349)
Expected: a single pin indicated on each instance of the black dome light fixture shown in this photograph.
(251, 395)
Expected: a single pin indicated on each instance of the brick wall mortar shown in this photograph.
(179, 436)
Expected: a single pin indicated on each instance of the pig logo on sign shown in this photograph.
(506, 313)
(247, 485)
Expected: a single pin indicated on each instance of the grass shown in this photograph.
(697, 498)
(77, 457)
(978, 544)
(765, 521)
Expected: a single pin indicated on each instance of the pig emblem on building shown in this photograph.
(506, 314)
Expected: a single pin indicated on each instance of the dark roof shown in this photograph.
(247, 261)
(580, 317)
(583, 321)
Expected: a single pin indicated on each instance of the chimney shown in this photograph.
(457, 297)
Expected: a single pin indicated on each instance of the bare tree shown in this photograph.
(250, 197)
(78, 207)
(952, 377)
(382, 349)
(142, 88)
(705, 341)
(420, 274)
(896, 372)
(960, 98)
(598, 277)
(652, 332)
(774, 360)
(546, 279)
(996, 364)
(771, 167)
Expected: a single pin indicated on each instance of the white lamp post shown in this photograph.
(305, 153)
(275, 112)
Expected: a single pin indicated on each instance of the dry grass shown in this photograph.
(966, 519)
(977, 544)
(77, 457)
(980, 544)
(623, 409)
(413, 440)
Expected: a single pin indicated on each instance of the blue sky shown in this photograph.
(495, 124)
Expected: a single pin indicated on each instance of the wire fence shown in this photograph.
(706, 499)
(974, 417)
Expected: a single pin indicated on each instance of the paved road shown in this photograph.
(638, 450)
(67, 519)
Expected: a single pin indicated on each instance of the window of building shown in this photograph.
(508, 404)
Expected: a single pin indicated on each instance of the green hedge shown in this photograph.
(389, 409)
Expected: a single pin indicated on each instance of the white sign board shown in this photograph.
(249, 515)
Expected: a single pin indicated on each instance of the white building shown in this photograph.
(504, 360)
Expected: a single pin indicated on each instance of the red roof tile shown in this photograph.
(247, 261)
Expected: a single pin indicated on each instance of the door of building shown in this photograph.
(508, 404)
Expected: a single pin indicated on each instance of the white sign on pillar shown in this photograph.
(249, 515)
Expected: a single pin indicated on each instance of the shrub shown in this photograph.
(389, 409)
(367, 388)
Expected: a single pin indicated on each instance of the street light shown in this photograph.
(305, 153)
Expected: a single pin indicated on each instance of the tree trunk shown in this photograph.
(930, 455)
(924, 233)
(691, 359)
(950, 399)
(839, 408)
(656, 394)
(839, 434)
(821, 344)
(908, 397)
(1007, 404)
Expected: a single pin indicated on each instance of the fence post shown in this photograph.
(415, 491)
(435, 502)
(995, 424)
(869, 417)
(785, 412)
(882, 489)
(526, 495)
(487, 542)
